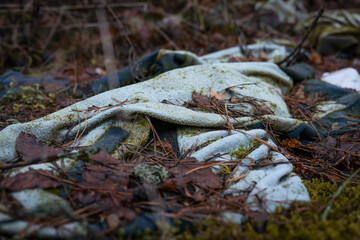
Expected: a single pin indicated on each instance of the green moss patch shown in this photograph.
(300, 221)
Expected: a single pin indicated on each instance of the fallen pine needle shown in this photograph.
(238, 178)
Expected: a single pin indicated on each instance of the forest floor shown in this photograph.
(63, 40)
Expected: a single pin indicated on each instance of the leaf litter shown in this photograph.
(122, 199)
(107, 187)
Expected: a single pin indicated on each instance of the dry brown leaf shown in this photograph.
(29, 148)
(202, 177)
(263, 55)
(29, 180)
(218, 96)
(315, 58)
(104, 157)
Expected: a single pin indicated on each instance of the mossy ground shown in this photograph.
(300, 221)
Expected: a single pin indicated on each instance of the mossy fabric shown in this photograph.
(162, 98)
(147, 67)
(337, 32)
(339, 113)
(120, 116)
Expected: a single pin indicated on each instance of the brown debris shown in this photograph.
(105, 188)
(29, 180)
(29, 148)
(302, 106)
(202, 177)
(218, 104)
(333, 158)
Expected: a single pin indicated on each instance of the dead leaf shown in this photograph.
(104, 157)
(201, 99)
(203, 177)
(315, 58)
(187, 193)
(198, 196)
(29, 148)
(125, 213)
(168, 184)
(218, 96)
(104, 178)
(29, 180)
(263, 55)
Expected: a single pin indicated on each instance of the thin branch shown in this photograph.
(108, 48)
(290, 58)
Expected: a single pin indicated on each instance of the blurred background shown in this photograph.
(59, 35)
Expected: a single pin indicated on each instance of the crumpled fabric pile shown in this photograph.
(123, 112)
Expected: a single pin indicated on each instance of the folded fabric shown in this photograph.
(125, 107)
(119, 117)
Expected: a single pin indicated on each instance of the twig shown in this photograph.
(290, 58)
(108, 48)
(260, 140)
(230, 163)
(54, 28)
(239, 177)
(165, 36)
(241, 38)
(337, 193)
(121, 27)
(199, 14)
(15, 8)
(236, 86)
(82, 133)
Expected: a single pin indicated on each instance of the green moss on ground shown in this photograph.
(28, 96)
(300, 221)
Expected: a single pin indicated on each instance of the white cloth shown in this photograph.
(264, 82)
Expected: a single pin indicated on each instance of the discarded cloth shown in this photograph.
(162, 98)
(118, 118)
(143, 69)
(344, 78)
(274, 52)
(337, 32)
(338, 113)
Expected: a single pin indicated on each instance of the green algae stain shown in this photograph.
(244, 150)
